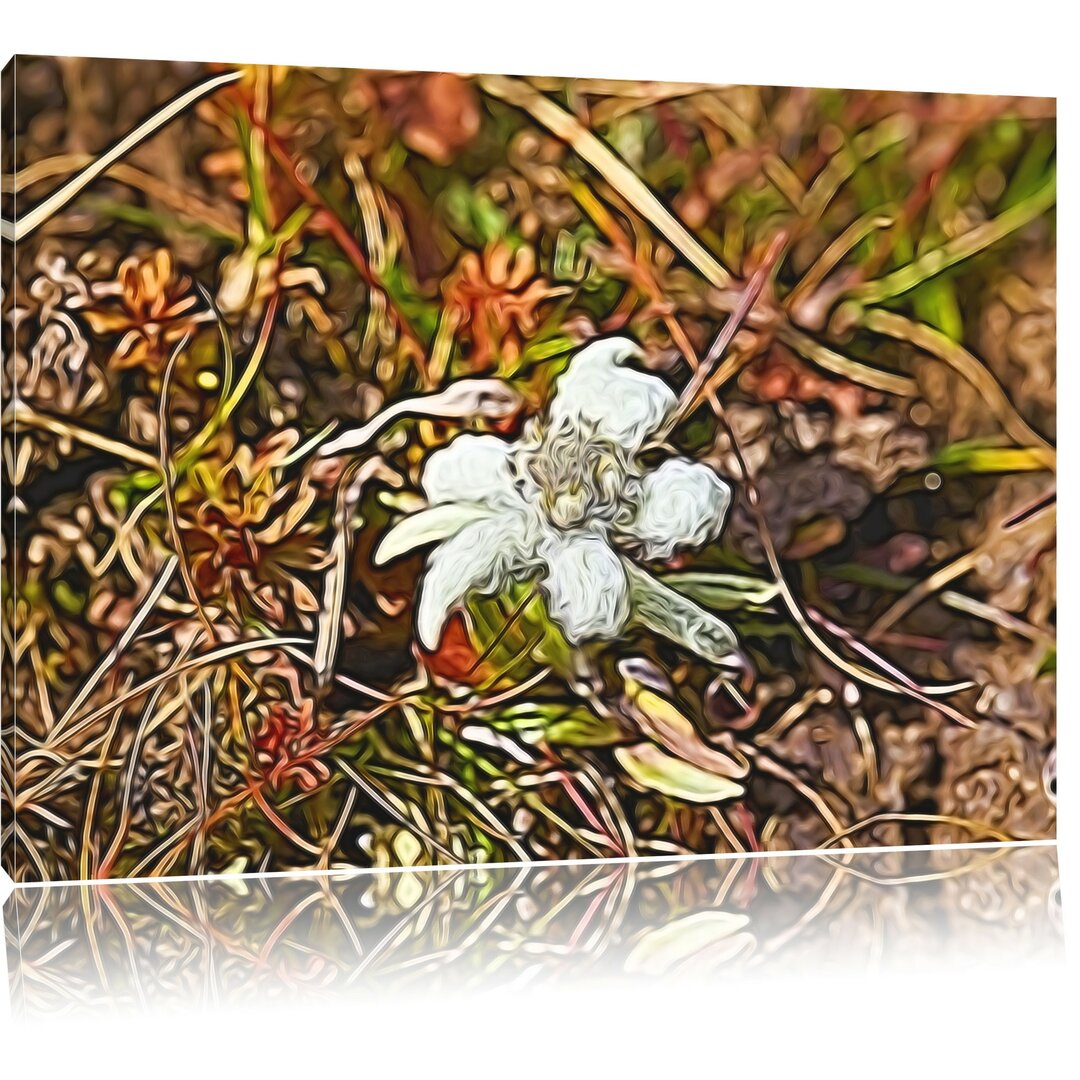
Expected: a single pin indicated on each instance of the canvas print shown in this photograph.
(412, 468)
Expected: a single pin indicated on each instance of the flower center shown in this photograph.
(582, 477)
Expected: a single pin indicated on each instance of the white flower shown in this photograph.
(567, 504)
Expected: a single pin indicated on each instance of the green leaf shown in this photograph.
(647, 764)
(661, 609)
(515, 633)
(569, 263)
(580, 727)
(935, 302)
(978, 456)
(474, 216)
(1034, 168)
(726, 592)
(67, 598)
(870, 575)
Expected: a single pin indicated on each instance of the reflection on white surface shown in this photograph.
(265, 940)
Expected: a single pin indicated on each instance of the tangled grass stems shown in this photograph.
(214, 656)
(927, 819)
(344, 238)
(116, 650)
(588, 146)
(938, 260)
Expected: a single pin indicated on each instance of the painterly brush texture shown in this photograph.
(409, 468)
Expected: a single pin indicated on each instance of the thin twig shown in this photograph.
(692, 394)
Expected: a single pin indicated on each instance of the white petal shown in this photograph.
(482, 557)
(426, 527)
(585, 586)
(682, 505)
(597, 391)
(473, 468)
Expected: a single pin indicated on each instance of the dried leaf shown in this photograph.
(661, 720)
(649, 766)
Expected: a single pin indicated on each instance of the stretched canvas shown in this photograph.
(409, 468)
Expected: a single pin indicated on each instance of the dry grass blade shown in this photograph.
(168, 480)
(336, 579)
(966, 365)
(836, 364)
(922, 591)
(466, 399)
(865, 145)
(826, 262)
(26, 223)
(21, 413)
(968, 605)
(926, 819)
(184, 203)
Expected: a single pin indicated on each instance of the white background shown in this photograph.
(963, 1023)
